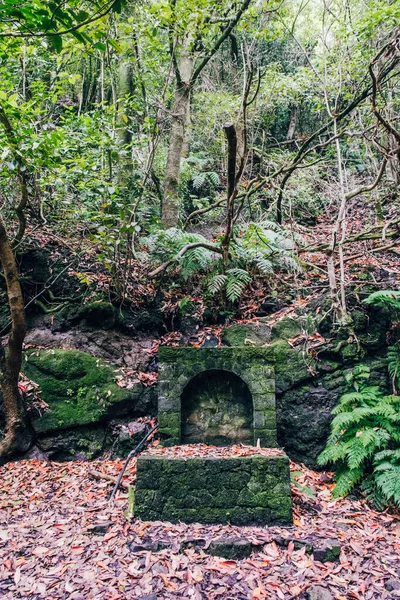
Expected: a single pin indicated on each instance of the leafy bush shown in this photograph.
(386, 298)
(257, 249)
(364, 444)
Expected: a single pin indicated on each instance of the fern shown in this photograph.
(394, 362)
(387, 480)
(236, 282)
(257, 248)
(388, 298)
(216, 283)
(364, 444)
(201, 179)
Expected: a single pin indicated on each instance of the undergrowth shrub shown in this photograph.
(257, 249)
(364, 444)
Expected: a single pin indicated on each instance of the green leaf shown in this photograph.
(100, 46)
(56, 42)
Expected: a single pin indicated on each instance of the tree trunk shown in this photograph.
(292, 123)
(170, 204)
(178, 140)
(18, 434)
(232, 140)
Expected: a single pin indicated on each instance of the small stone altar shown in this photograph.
(213, 488)
(217, 423)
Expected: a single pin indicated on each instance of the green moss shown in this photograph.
(169, 420)
(238, 490)
(291, 367)
(236, 335)
(192, 355)
(99, 313)
(285, 329)
(78, 388)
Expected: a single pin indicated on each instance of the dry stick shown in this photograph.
(131, 455)
(344, 113)
(359, 237)
(378, 249)
(99, 475)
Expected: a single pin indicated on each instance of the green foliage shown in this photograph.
(166, 244)
(364, 444)
(258, 248)
(51, 19)
(234, 282)
(386, 298)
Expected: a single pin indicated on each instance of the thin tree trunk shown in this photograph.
(170, 204)
(18, 434)
(232, 140)
(292, 124)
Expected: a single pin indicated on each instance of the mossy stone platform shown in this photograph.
(240, 490)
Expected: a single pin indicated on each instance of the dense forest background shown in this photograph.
(210, 174)
(171, 167)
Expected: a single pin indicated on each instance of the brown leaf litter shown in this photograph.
(60, 539)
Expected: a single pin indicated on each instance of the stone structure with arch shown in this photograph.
(217, 395)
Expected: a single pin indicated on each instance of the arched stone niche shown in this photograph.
(216, 408)
(187, 375)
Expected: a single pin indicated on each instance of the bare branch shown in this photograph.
(183, 251)
(225, 34)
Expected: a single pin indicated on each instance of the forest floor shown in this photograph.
(61, 539)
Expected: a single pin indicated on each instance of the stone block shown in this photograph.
(259, 419)
(231, 547)
(267, 437)
(168, 403)
(264, 401)
(169, 420)
(244, 490)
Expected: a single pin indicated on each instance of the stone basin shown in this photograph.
(242, 485)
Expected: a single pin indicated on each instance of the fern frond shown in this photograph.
(346, 479)
(387, 479)
(393, 357)
(389, 298)
(199, 180)
(216, 283)
(236, 282)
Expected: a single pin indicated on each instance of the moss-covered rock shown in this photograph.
(286, 328)
(239, 335)
(102, 314)
(78, 388)
(292, 366)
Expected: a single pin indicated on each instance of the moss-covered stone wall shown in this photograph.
(178, 366)
(241, 491)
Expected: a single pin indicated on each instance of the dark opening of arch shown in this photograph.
(217, 409)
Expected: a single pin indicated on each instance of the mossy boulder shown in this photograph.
(78, 388)
(286, 328)
(101, 314)
(240, 335)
